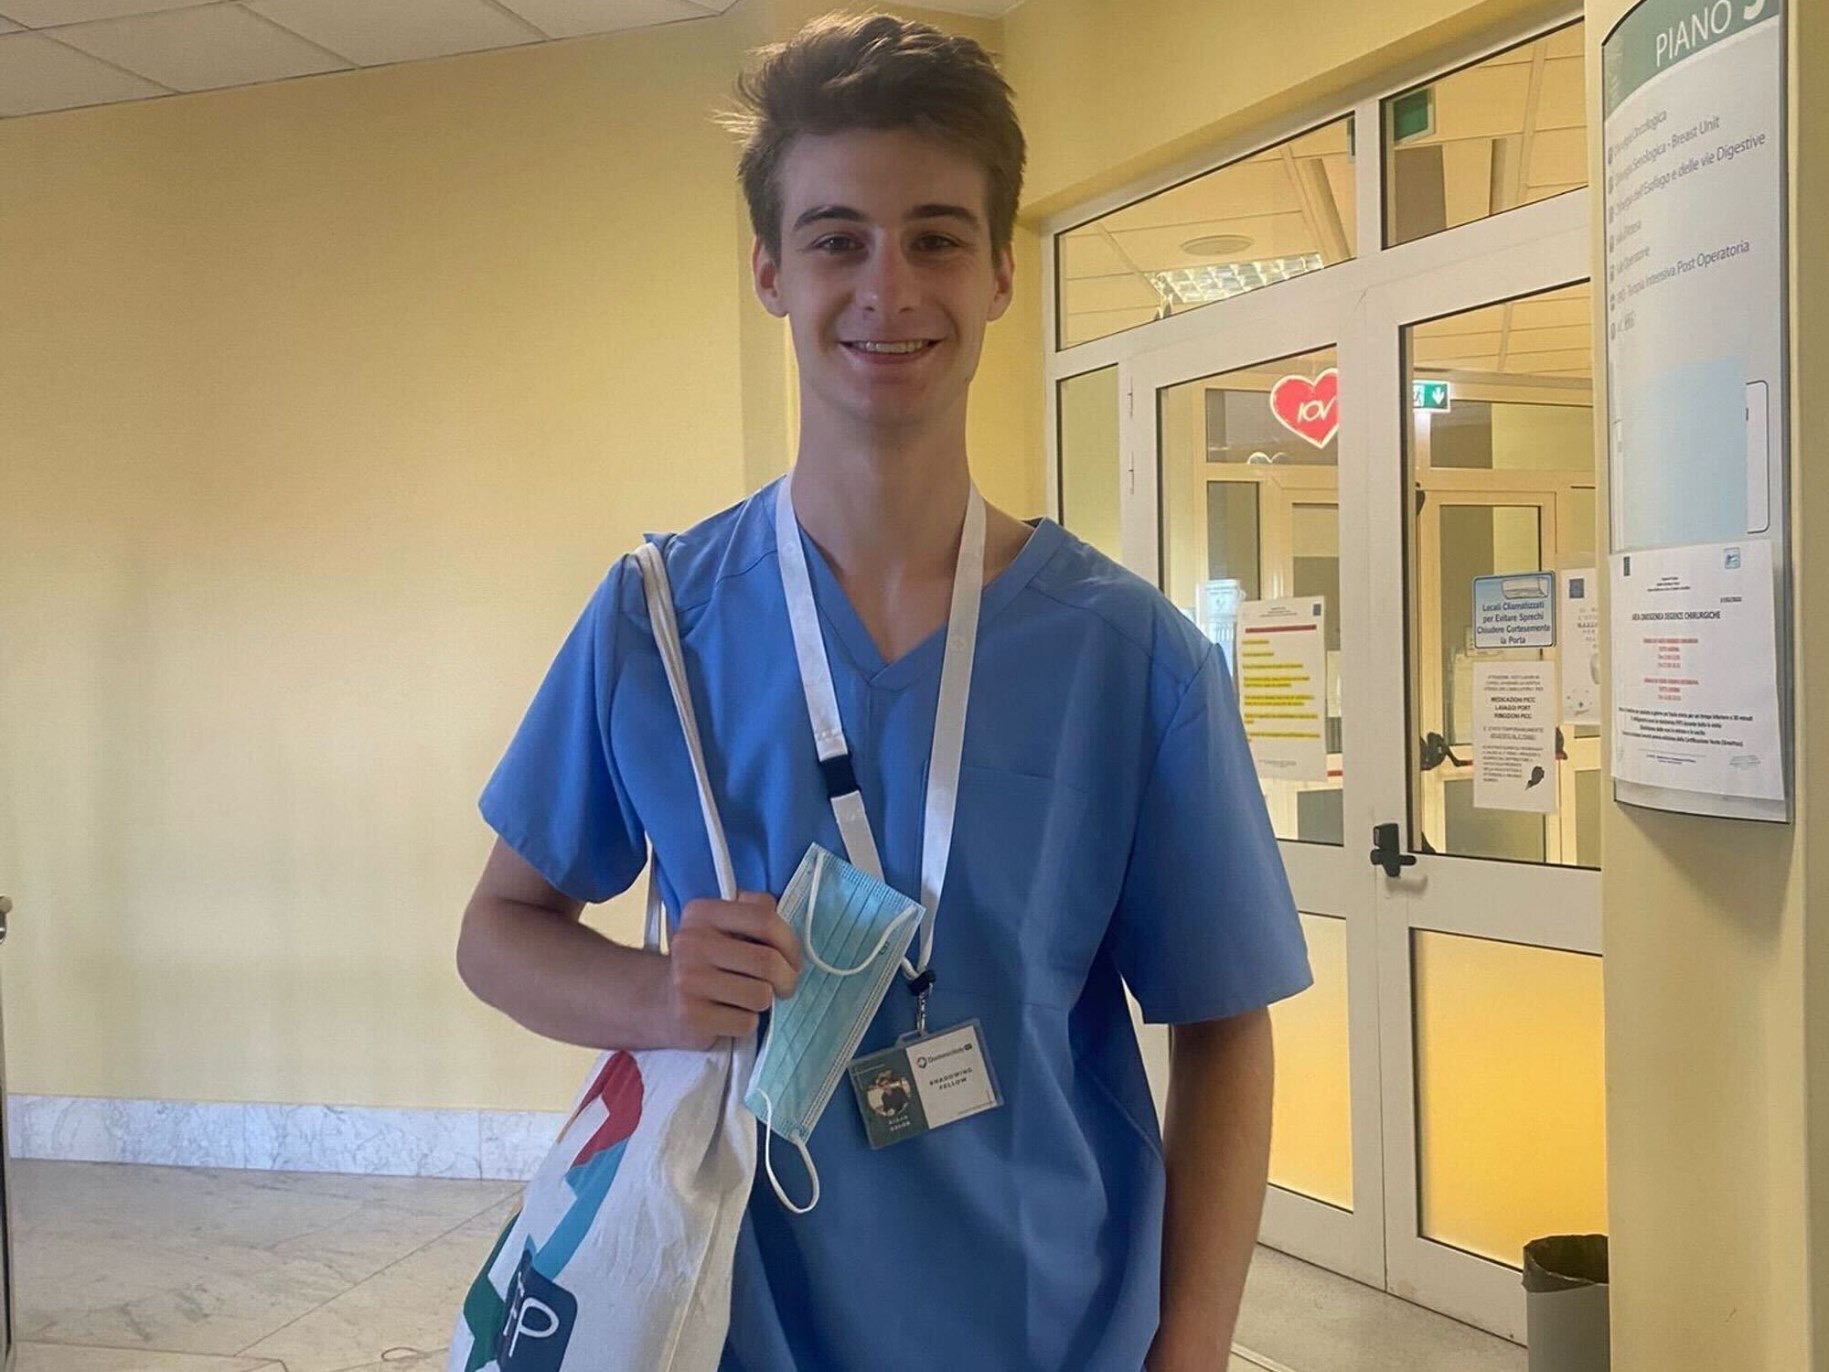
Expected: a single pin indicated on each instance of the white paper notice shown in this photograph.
(1695, 670)
(1580, 616)
(1282, 686)
(1514, 736)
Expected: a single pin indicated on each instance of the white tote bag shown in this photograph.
(620, 1257)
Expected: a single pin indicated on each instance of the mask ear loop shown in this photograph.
(889, 930)
(768, 1160)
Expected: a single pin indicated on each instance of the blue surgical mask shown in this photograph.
(855, 931)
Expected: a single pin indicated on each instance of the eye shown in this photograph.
(834, 243)
(937, 242)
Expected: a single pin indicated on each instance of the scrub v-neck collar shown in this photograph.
(866, 659)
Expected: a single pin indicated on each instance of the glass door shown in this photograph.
(1379, 503)
(1251, 527)
(1492, 1058)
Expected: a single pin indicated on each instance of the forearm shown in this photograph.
(563, 979)
(1216, 1143)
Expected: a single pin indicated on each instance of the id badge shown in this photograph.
(923, 1083)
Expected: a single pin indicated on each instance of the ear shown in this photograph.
(1003, 272)
(765, 274)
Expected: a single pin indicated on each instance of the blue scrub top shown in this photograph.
(1110, 833)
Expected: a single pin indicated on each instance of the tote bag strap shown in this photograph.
(659, 593)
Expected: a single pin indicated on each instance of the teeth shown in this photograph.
(910, 347)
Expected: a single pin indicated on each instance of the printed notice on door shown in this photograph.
(1580, 615)
(1282, 686)
(1695, 670)
(1514, 736)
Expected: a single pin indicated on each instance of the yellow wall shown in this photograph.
(1717, 1138)
(326, 404)
(1109, 92)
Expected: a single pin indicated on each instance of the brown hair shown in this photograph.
(875, 72)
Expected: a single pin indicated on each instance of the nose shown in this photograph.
(888, 283)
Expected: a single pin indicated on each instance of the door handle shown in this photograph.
(1384, 850)
(6, 908)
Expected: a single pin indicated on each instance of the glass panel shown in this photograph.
(1578, 538)
(1311, 1138)
(1088, 413)
(1502, 133)
(1504, 391)
(1510, 1093)
(1276, 214)
(1232, 536)
(1250, 513)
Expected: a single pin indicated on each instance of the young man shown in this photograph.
(1109, 829)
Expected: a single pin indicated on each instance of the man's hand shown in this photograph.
(727, 963)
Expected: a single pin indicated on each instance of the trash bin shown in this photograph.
(1565, 1300)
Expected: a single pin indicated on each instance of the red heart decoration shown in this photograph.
(1308, 409)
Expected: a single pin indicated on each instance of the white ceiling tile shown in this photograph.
(576, 18)
(37, 74)
(202, 48)
(44, 14)
(371, 34)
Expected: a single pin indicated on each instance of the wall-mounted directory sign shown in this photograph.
(1695, 205)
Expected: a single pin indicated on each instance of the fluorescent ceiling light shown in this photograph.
(1203, 285)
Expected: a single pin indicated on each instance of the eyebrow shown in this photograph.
(845, 212)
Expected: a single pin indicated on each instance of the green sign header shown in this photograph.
(1658, 34)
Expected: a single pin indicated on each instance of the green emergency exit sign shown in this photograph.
(1429, 395)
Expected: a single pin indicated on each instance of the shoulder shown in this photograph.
(1115, 603)
(700, 560)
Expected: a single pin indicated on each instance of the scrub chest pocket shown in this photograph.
(1025, 907)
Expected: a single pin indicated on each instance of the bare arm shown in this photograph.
(524, 950)
(1217, 1149)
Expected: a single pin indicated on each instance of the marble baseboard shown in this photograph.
(491, 1145)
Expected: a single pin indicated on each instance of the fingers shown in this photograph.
(729, 962)
(752, 919)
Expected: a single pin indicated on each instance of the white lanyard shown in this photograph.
(949, 717)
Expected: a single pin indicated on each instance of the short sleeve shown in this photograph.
(1206, 926)
(557, 797)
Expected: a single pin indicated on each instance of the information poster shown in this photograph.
(1514, 736)
(1517, 611)
(1695, 695)
(1580, 616)
(1695, 214)
(1282, 686)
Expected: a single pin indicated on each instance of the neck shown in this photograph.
(883, 515)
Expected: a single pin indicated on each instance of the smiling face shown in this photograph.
(887, 279)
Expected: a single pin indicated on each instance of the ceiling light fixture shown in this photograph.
(1204, 285)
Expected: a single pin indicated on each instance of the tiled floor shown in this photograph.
(164, 1269)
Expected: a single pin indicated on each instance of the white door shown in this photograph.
(1216, 490)
(1439, 1088)
(1490, 932)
